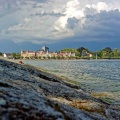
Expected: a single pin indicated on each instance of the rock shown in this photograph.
(90, 106)
(20, 62)
(28, 93)
(2, 102)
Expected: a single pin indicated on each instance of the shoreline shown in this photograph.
(60, 59)
(24, 87)
(112, 97)
(108, 97)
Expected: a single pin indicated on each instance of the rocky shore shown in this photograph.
(27, 93)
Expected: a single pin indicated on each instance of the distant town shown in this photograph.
(68, 53)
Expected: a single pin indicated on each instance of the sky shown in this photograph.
(28, 24)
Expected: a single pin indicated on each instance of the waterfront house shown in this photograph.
(7, 55)
(44, 53)
(28, 54)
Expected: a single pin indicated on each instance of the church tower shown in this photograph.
(45, 48)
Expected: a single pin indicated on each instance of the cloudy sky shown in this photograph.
(28, 24)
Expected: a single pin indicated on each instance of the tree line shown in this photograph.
(106, 53)
(81, 53)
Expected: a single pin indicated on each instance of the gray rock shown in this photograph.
(2, 102)
(28, 93)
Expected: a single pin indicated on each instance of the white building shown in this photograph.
(7, 55)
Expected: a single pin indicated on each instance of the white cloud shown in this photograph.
(27, 20)
(72, 9)
(100, 6)
(51, 20)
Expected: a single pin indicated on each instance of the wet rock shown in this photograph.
(29, 93)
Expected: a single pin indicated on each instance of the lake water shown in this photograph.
(93, 75)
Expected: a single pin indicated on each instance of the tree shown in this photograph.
(84, 53)
(58, 57)
(118, 53)
(115, 52)
(21, 57)
(48, 57)
(1, 54)
(16, 55)
(31, 57)
(35, 57)
(105, 53)
(77, 53)
(26, 57)
(44, 57)
(40, 57)
(68, 50)
(107, 49)
(62, 57)
(81, 49)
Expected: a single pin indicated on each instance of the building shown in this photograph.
(45, 48)
(86, 54)
(44, 53)
(40, 53)
(29, 54)
(90, 55)
(7, 55)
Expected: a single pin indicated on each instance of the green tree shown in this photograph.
(58, 57)
(84, 53)
(119, 54)
(40, 57)
(48, 57)
(1, 54)
(35, 57)
(16, 55)
(62, 57)
(104, 54)
(26, 57)
(107, 53)
(81, 49)
(77, 53)
(107, 49)
(44, 57)
(21, 57)
(68, 50)
(115, 52)
(31, 57)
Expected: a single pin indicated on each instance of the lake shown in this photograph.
(93, 75)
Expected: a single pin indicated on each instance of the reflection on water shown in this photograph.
(98, 76)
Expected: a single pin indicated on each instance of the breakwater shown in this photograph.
(29, 93)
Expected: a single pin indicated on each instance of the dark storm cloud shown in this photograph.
(104, 26)
(51, 21)
(72, 22)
